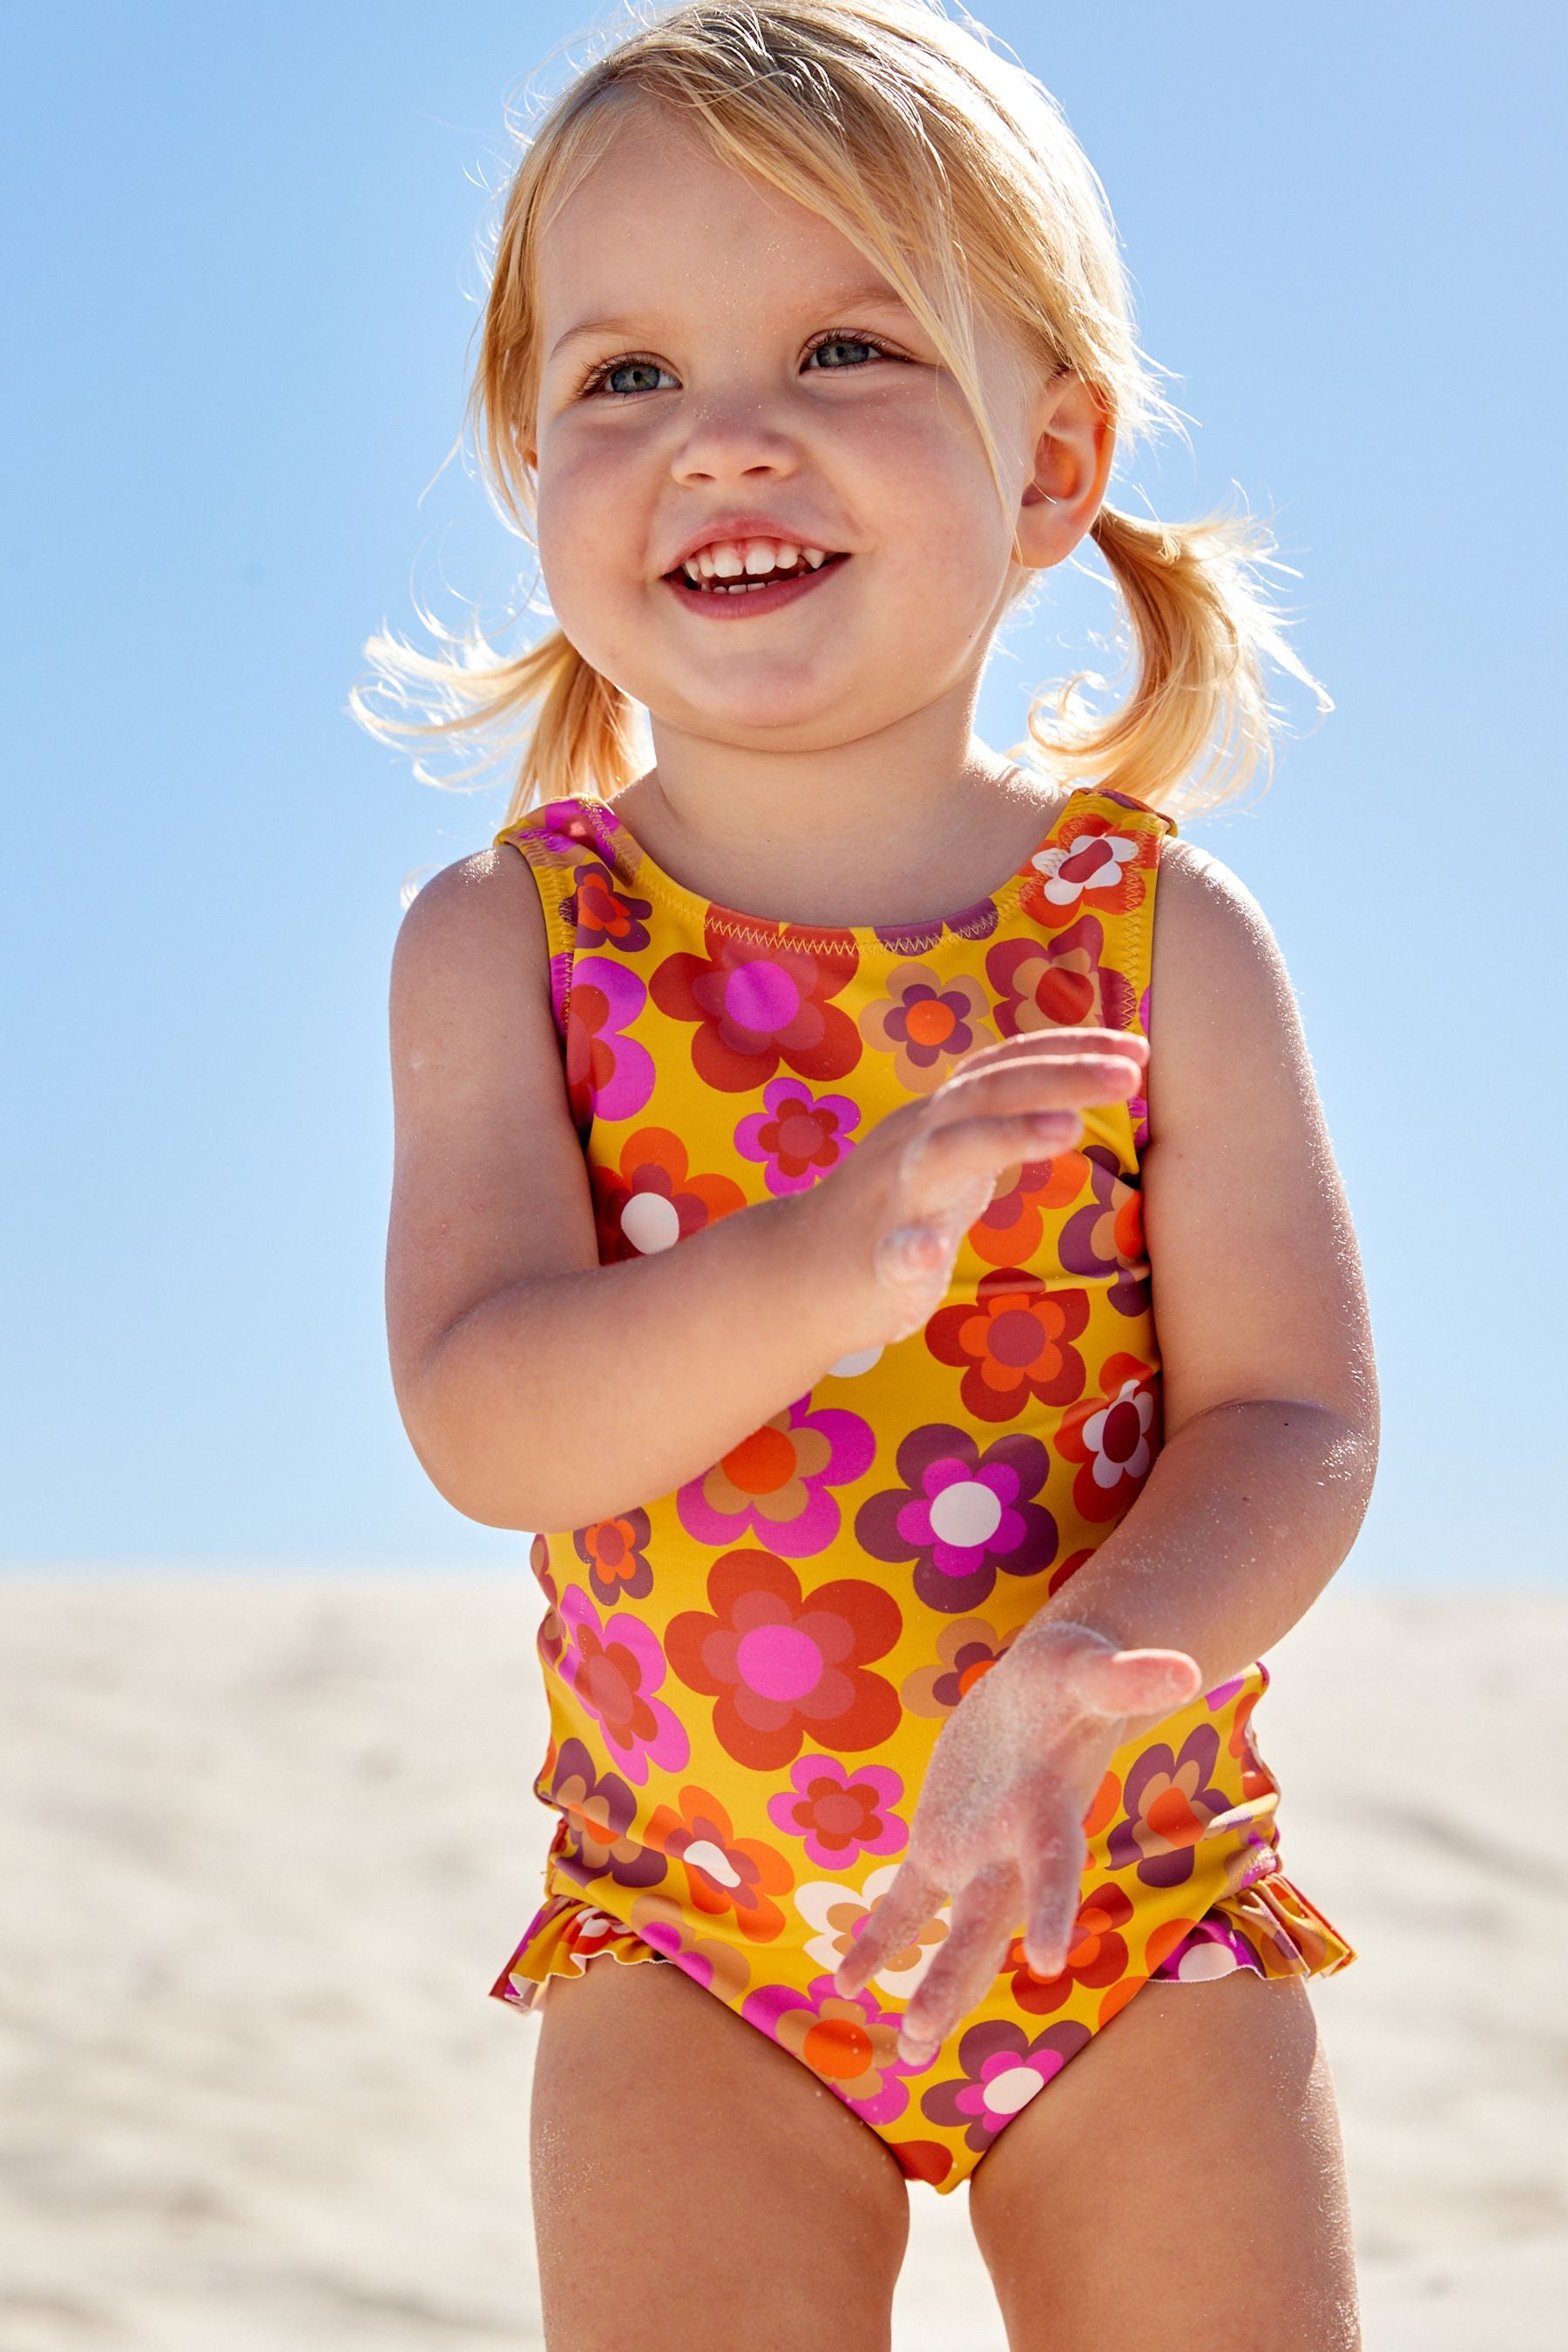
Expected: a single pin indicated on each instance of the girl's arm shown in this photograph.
(1271, 1429)
(541, 1390)
(1270, 1391)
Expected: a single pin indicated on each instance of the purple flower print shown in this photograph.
(1107, 1237)
(775, 1483)
(840, 1810)
(614, 1670)
(1172, 1803)
(961, 1516)
(1001, 2071)
(798, 1136)
(597, 1811)
(851, 2045)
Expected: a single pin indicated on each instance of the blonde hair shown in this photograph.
(953, 172)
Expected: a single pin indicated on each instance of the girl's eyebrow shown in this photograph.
(863, 296)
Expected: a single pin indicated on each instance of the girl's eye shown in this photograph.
(600, 380)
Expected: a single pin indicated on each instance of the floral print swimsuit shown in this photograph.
(746, 1676)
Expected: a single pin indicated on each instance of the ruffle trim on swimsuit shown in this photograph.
(1270, 1928)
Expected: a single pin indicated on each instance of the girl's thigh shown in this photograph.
(1180, 2185)
(697, 2188)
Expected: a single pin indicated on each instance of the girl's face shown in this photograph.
(716, 360)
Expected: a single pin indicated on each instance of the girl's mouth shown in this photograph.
(734, 600)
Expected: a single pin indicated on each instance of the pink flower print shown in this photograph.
(1172, 1804)
(551, 1639)
(1213, 1948)
(760, 999)
(798, 1137)
(926, 1023)
(665, 1927)
(1001, 2070)
(775, 1483)
(850, 2044)
(961, 1516)
(608, 1076)
(613, 1671)
(840, 1811)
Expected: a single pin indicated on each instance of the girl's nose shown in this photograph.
(725, 440)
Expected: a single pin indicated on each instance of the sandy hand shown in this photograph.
(889, 1219)
(999, 1825)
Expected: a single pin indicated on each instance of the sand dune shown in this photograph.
(267, 1840)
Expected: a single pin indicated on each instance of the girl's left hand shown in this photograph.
(999, 1825)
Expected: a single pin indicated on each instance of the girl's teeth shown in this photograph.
(748, 559)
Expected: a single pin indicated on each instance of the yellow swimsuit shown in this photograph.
(746, 1676)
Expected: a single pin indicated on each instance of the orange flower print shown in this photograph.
(614, 1555)
(926, 1023)
(966, 1650)
(784, 1666)
(1060, 983)
(1015, 1342)
(650, 1199)
(1012, 1229)
(1113, 1437)
(723, 1872)
(1097, 1957)
(1095, 866)
(762, 999)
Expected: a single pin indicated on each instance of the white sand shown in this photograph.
(266, 1840)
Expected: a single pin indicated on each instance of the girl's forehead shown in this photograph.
(657, 206)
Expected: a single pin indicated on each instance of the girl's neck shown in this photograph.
(868, 857)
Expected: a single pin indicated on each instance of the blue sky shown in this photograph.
(241, 277)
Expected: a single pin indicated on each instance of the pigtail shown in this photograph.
(1202, 625)
(580, 738)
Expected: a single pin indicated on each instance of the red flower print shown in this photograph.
(725, 1873)
(601, 912)
(1114, 1437)
(1097, 1957)
(1015, 1342)
(649, 1200)
(763, 999)
(1058, 984)
(1012, 1229)
(926, 1023)
(784, 1666)
(1098, 863)
(612, 1552)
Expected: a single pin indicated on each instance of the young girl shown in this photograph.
(778, 1134)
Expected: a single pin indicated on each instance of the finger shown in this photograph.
(1051, 1865)
(1049, 1082)
(985, 1917)
(1041, 1044)
(896, 1919)
(1136, 1681)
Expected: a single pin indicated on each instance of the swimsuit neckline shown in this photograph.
(642, 873)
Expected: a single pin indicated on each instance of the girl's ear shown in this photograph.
(1073, 442)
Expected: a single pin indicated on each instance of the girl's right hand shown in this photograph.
(891, 1215)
